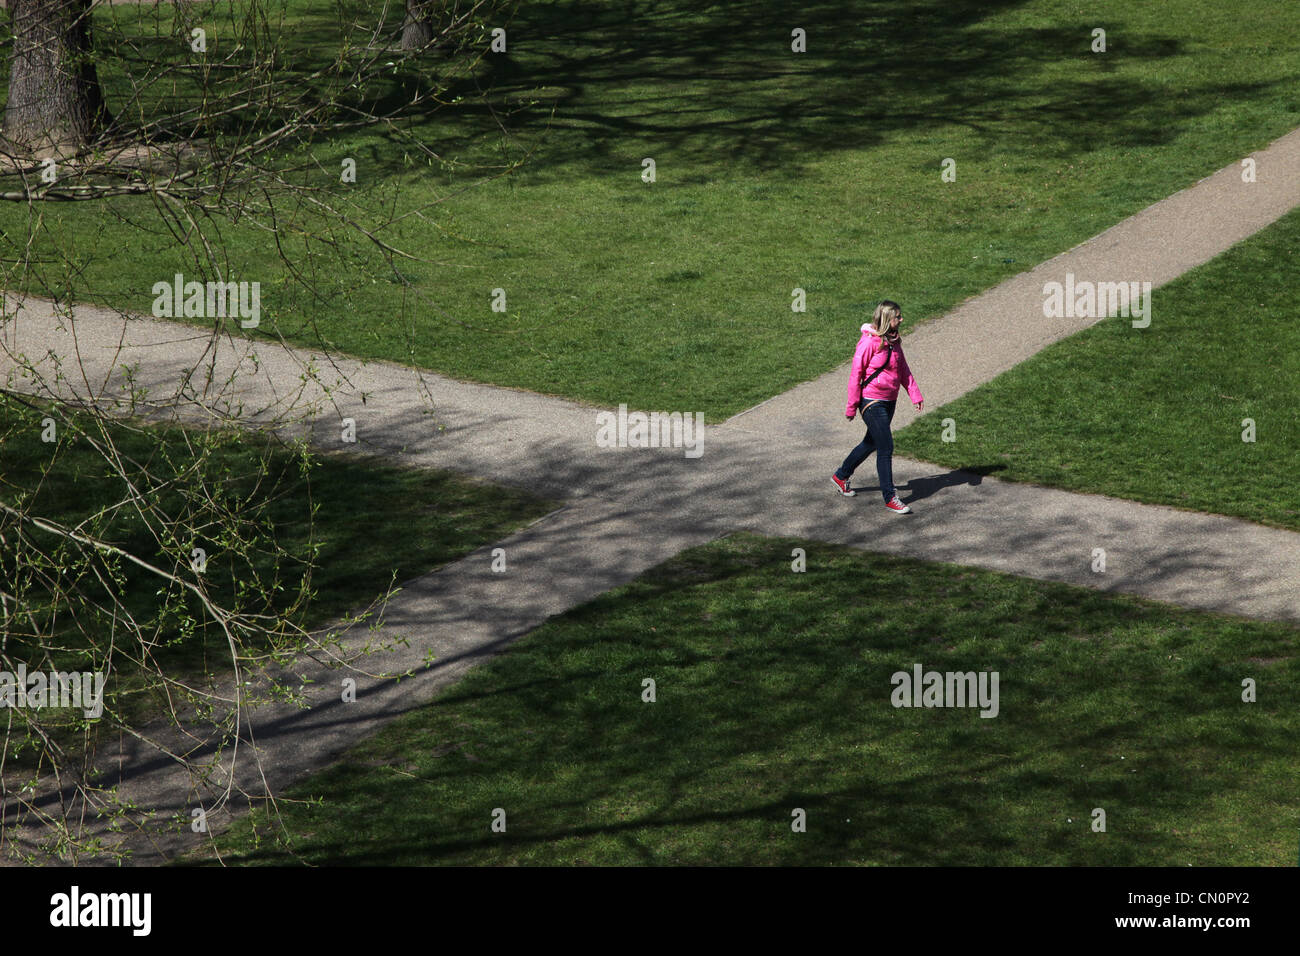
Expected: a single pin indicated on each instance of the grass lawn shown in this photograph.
(1157, 414)
(775, 170)
(351, 525)
(773, 693)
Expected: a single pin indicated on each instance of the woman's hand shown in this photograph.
(919, 406)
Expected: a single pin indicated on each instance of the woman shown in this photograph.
(879, 367)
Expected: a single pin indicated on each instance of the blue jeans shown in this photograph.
(879, 440)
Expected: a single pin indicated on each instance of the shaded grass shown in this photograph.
(348, 528)
(1157, 414)
(773, 693)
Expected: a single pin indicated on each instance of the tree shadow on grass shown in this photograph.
(707, 84)
(712, 777)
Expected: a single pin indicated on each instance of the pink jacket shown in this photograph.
(870, 355)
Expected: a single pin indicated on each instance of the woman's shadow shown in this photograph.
(919, 488)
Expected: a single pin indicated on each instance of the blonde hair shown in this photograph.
(884, 315)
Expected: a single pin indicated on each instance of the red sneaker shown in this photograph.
(893, 504)
(845, 490)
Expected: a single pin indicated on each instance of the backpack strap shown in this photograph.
(867, 381)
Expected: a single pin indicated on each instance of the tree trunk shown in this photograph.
(55, 101)
(417, 29)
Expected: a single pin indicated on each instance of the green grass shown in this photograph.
(1156, 414)
(773, 693)
(350, 526)
(775, 170)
